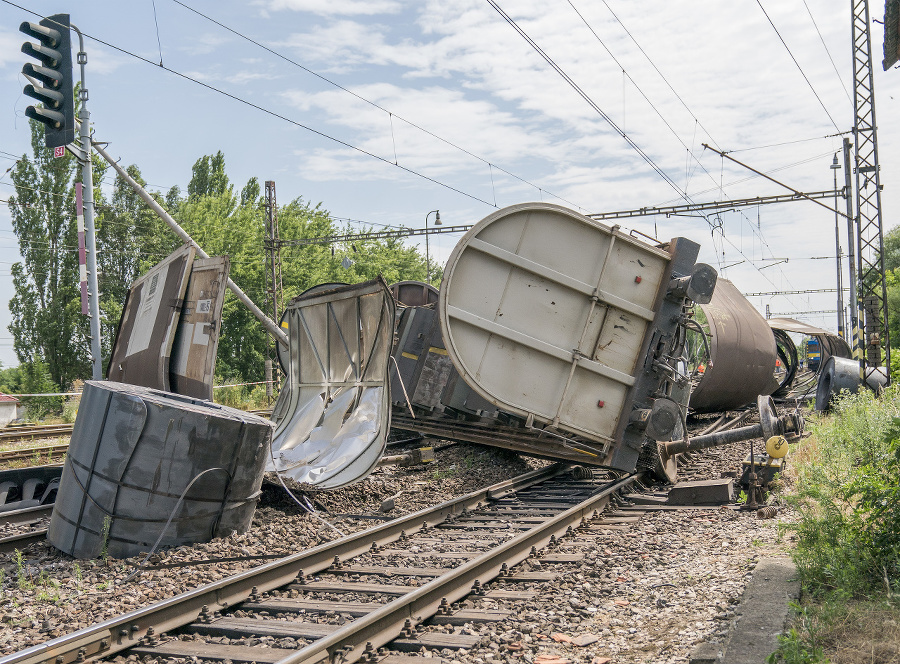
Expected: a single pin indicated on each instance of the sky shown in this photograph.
(386, 110)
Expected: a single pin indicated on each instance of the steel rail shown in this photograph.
(26, 515)
(20, 541)
(31, 452)
(126, 631)
(47, 432)
(383, 625)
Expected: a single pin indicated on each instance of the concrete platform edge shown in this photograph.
(760, 617)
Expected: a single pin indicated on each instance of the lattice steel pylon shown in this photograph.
(874, 344)
(272, 244)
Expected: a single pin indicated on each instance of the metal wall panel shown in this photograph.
(545, 313)
(143, 344)
(193, 362)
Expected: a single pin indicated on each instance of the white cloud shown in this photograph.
(334, 7)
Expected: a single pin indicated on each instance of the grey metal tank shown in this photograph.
(146, 466)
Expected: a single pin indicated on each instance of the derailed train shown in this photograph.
(553, 335)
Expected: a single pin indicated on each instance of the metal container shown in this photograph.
(414, 293)
(841, 373)
(146, 466)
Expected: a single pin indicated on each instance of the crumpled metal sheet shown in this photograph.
(333, 413)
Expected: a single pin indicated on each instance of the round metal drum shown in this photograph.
(146, 466)
(544, 313)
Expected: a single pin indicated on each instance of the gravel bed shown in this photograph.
(647, 593)
(45, 593)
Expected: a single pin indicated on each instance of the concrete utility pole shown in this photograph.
(270, 325)
(87, 177)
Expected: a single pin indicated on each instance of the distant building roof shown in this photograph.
(6, 397)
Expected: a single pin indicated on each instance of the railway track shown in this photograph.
(34, 432)
(43, 452)
(343, 600)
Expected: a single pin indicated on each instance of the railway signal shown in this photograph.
(50, 82)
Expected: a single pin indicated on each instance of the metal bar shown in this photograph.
(714, 205)
(270, 325)
(771, 179)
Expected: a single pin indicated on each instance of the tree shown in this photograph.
(131, 238)
(224, 224)
(47, 324)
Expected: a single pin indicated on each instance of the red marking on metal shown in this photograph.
(600, 404)
(637, 280)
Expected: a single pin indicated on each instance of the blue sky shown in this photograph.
(449, 91)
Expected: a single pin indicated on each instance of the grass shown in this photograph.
(847, 495)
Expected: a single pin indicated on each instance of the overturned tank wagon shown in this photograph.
(740, 343)
(558, 337)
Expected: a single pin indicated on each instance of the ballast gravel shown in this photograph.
(648, 592)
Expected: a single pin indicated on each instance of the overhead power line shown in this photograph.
(638, 88)
(822, 39)
(568, 79)
(270, 112)
(803, 73)
(391, 114)
(653, 64)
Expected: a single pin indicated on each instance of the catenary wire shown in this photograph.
(559, 70)
(391, 114)
(652, 64)
(640, 90)
(270, 112)
(822, 39)
(803, 73)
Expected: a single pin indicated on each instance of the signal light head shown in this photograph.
(50, 82)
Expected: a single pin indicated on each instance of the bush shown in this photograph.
(244, 397)
(848, 495)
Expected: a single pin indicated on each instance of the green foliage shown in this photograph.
(244, 397)
(800, 644)
(849, 497)
(47, 322)
(225, 224)
(46, 317)
(36, 379)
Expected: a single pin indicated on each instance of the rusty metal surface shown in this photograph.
(333, 413)
(143, 344)
(193, 362)
(742, 353)
(414, 293)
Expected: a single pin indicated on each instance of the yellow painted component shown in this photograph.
(777, 447)
(410, 356)
(439, 351)
(284, 325)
